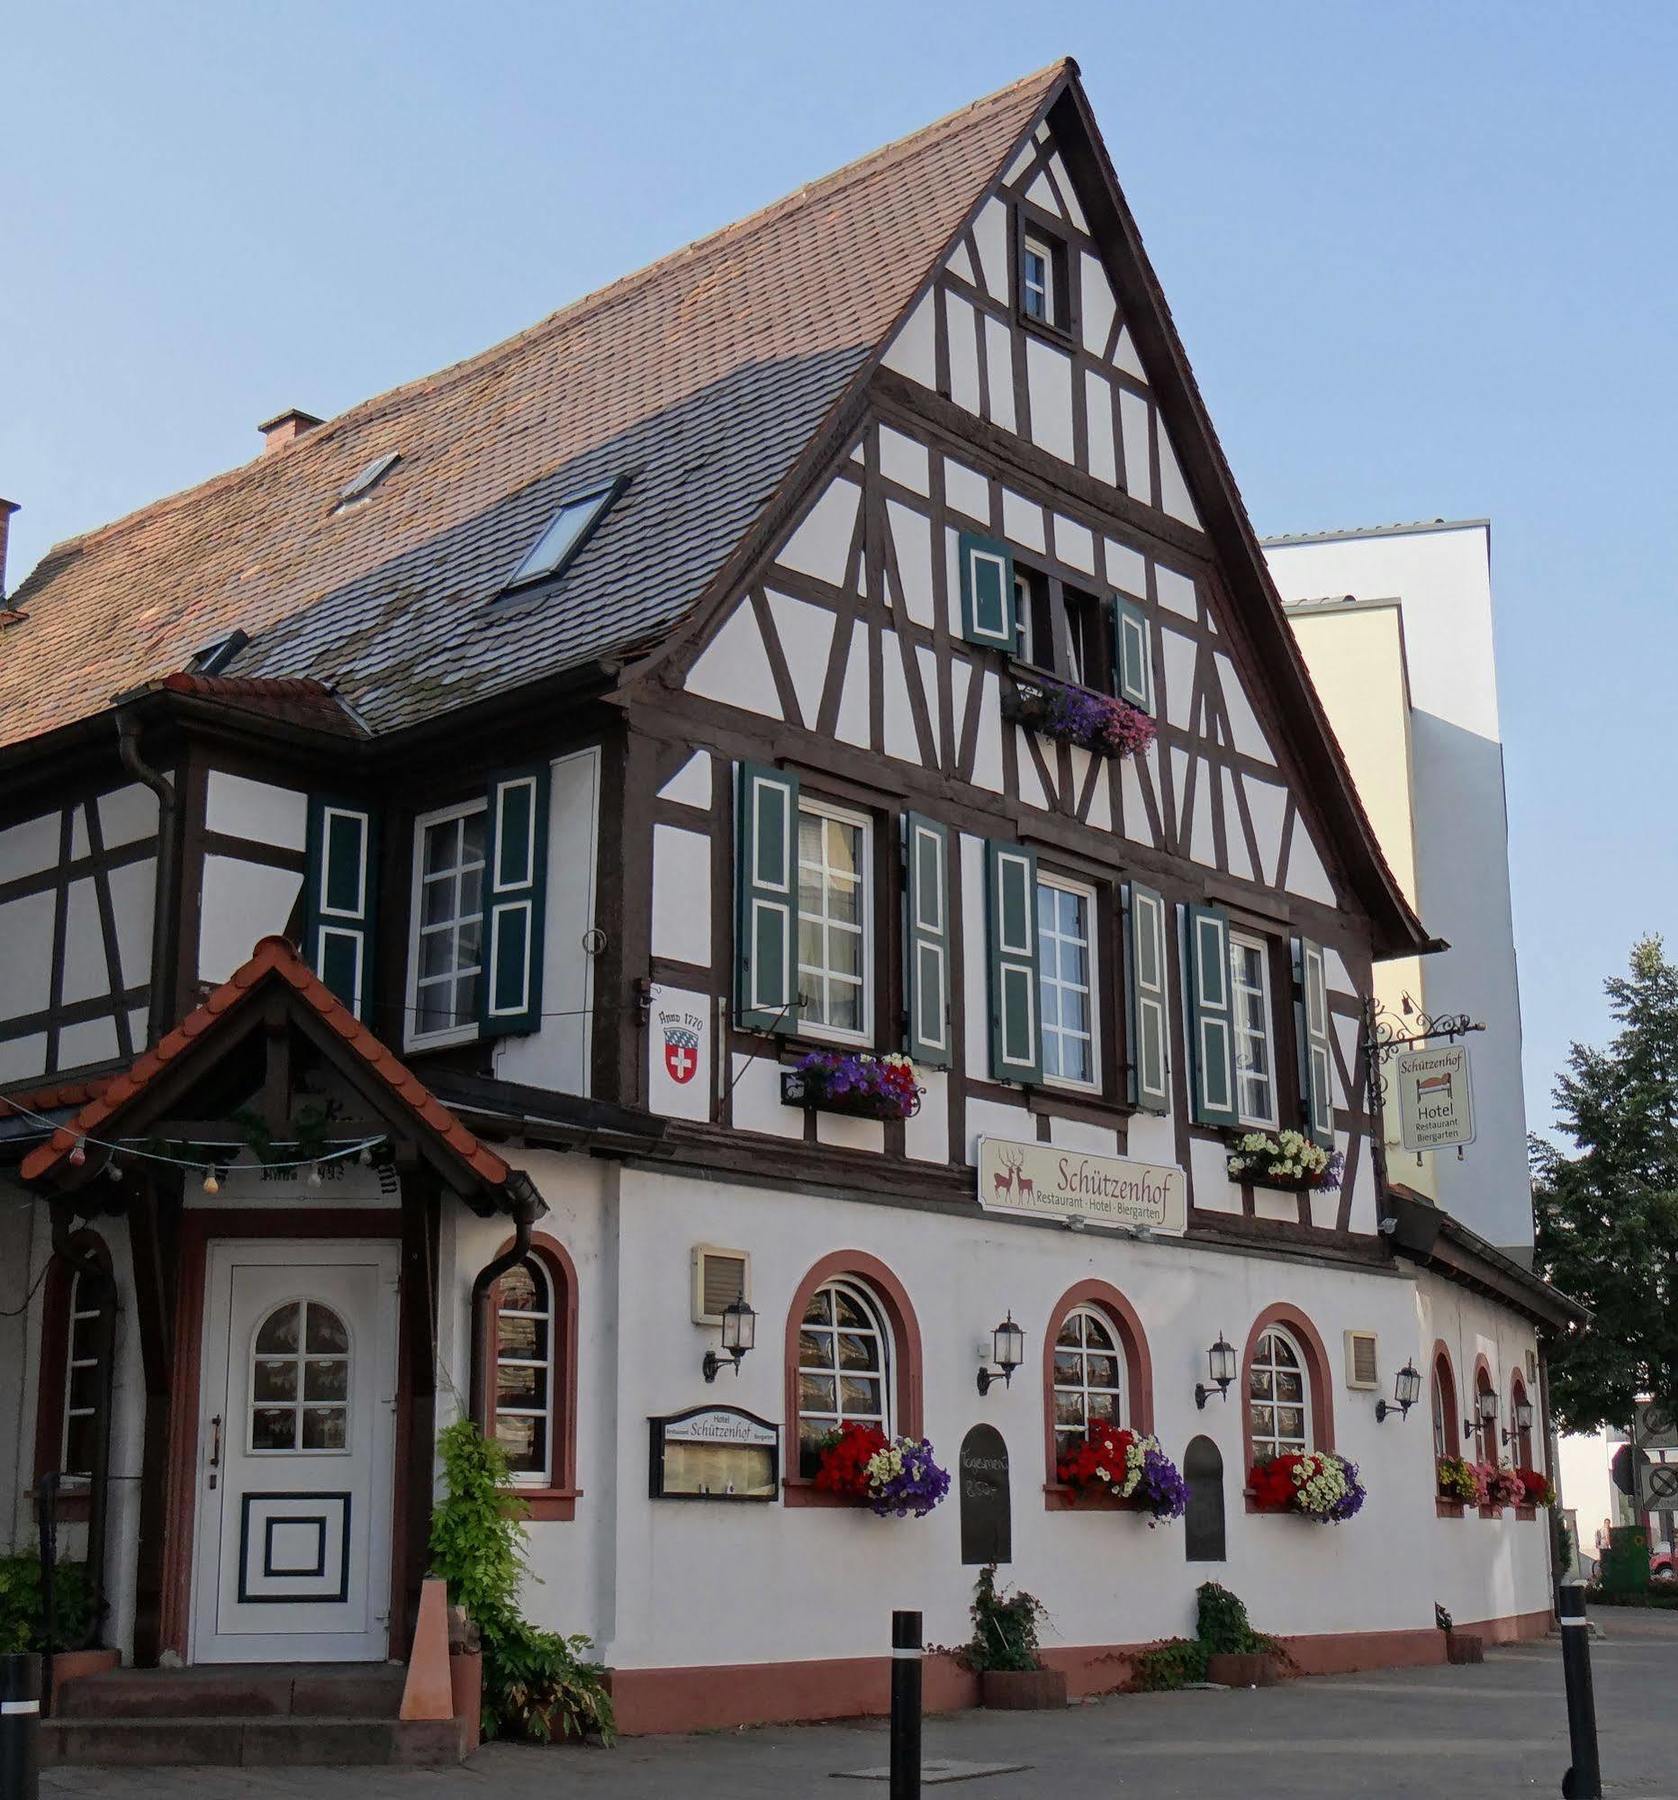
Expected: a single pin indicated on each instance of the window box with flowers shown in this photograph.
(1286, 1160)
(1457, 1485)
(857, 1084)
(1315, 1484)
(895, 1476)
(1497, 1486)
(1100, 723)
(1536, 1491)
(1124, 1469)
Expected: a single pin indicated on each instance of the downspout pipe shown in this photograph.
(160, 1008)
(525, 1206)
(83, 1264)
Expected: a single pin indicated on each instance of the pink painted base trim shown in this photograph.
(650, 1701)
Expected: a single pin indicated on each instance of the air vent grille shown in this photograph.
(1363, 1368)
(720, 1277)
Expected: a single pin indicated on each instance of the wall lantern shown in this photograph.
(1523, 1421)
(1485, 1412)
(739, 1333)
(1008, 1349)
(1407, 1390)
(1220, 1364)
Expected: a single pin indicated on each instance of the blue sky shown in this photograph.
(1422, 257)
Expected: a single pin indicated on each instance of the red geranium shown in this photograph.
(845, 1454)
(1537, 1486)
(1272, 1482)
(1105, 1446)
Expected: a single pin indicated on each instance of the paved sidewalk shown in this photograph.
(1416, 1734)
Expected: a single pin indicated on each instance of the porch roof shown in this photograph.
(275, 960)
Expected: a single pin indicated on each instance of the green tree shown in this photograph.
(1608, 1215)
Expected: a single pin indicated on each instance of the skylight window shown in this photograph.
(369, 478)
(567, 532)
(216, 655)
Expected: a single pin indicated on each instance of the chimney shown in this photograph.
(285, 428)
(7, 508)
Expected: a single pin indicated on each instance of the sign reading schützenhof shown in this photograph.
(1435, 1098)
(1045, 1180)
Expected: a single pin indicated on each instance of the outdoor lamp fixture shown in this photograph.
(1485, 1412)
(1008, 1349)
(1220, 1364)
(1407, 1390)
(739, 1333)
(1523, 1421)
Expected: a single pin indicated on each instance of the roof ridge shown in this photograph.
(612, 293)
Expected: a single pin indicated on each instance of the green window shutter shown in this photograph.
(766, 889)
(987, 593)
(515, 901)
(1316, 1057)
(1016, 1051)
(1211, 1019)
(1145, 999)
(926, 939)
(339, 896)
(1133, 666)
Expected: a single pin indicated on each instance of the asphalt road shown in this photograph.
(1415, 1734)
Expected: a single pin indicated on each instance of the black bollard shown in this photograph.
(20, 1726)
(1583, 1780)
(905, 1706)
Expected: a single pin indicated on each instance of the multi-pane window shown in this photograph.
(449, 921)
(1037, 280)
(1444, 1410)
(1034, 618)
(300, 1379)
(844, 1366)
(82, 1379)
(1255, 1060)
(1089, 1378)
(524, 1370)
(833, 922)
(1066, 982)
(1278, 1395)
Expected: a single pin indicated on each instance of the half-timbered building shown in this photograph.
(441, 859)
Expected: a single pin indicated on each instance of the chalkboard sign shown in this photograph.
(1203, 1518)
(986, 1524)
(715, 1453)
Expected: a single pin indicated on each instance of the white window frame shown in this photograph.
(863, 826)
(1273, 1444)
(1241, 1032)
(73, 1362)
(1033, 244)
(302, 1356)
(543, 1477)
(414, 1038)
(868, 1300)
(1082, 1387)
(1062, 884)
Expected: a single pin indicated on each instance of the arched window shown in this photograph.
(1447, 1428)
(853, 1353)
(844, 1366)
(1278, 1396)
(531, 1407)
(1288, 1396)
(74, 1373)
(1095, 1366)
(1523, 1433)
(300, 1380)
(1089, 1376)
(1486, 1444)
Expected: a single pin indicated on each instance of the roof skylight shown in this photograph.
(567, 532)
(369, 478)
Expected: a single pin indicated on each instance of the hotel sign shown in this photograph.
(1046, 1181)
(1435, 1098)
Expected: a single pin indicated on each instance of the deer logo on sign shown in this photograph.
(1003, 1183)
(681, 1053)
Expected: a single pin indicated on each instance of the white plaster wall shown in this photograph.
(1442, 581)
(777, 1583)
(242, 902)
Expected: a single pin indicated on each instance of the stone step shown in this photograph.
(295, 1740)
(228, 1692)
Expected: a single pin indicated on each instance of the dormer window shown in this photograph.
(563, 538)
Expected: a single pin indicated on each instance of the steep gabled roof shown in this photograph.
(274, 960)
(703, 377)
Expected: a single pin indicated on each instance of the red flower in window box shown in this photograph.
(1537, 1486)
(1128, 1465)
(845, 1455)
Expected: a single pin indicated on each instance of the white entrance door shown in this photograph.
(294, 1452)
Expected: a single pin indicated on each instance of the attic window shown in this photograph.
(369, 478)
(216, 655)
(563, 538)
(1044, 278)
